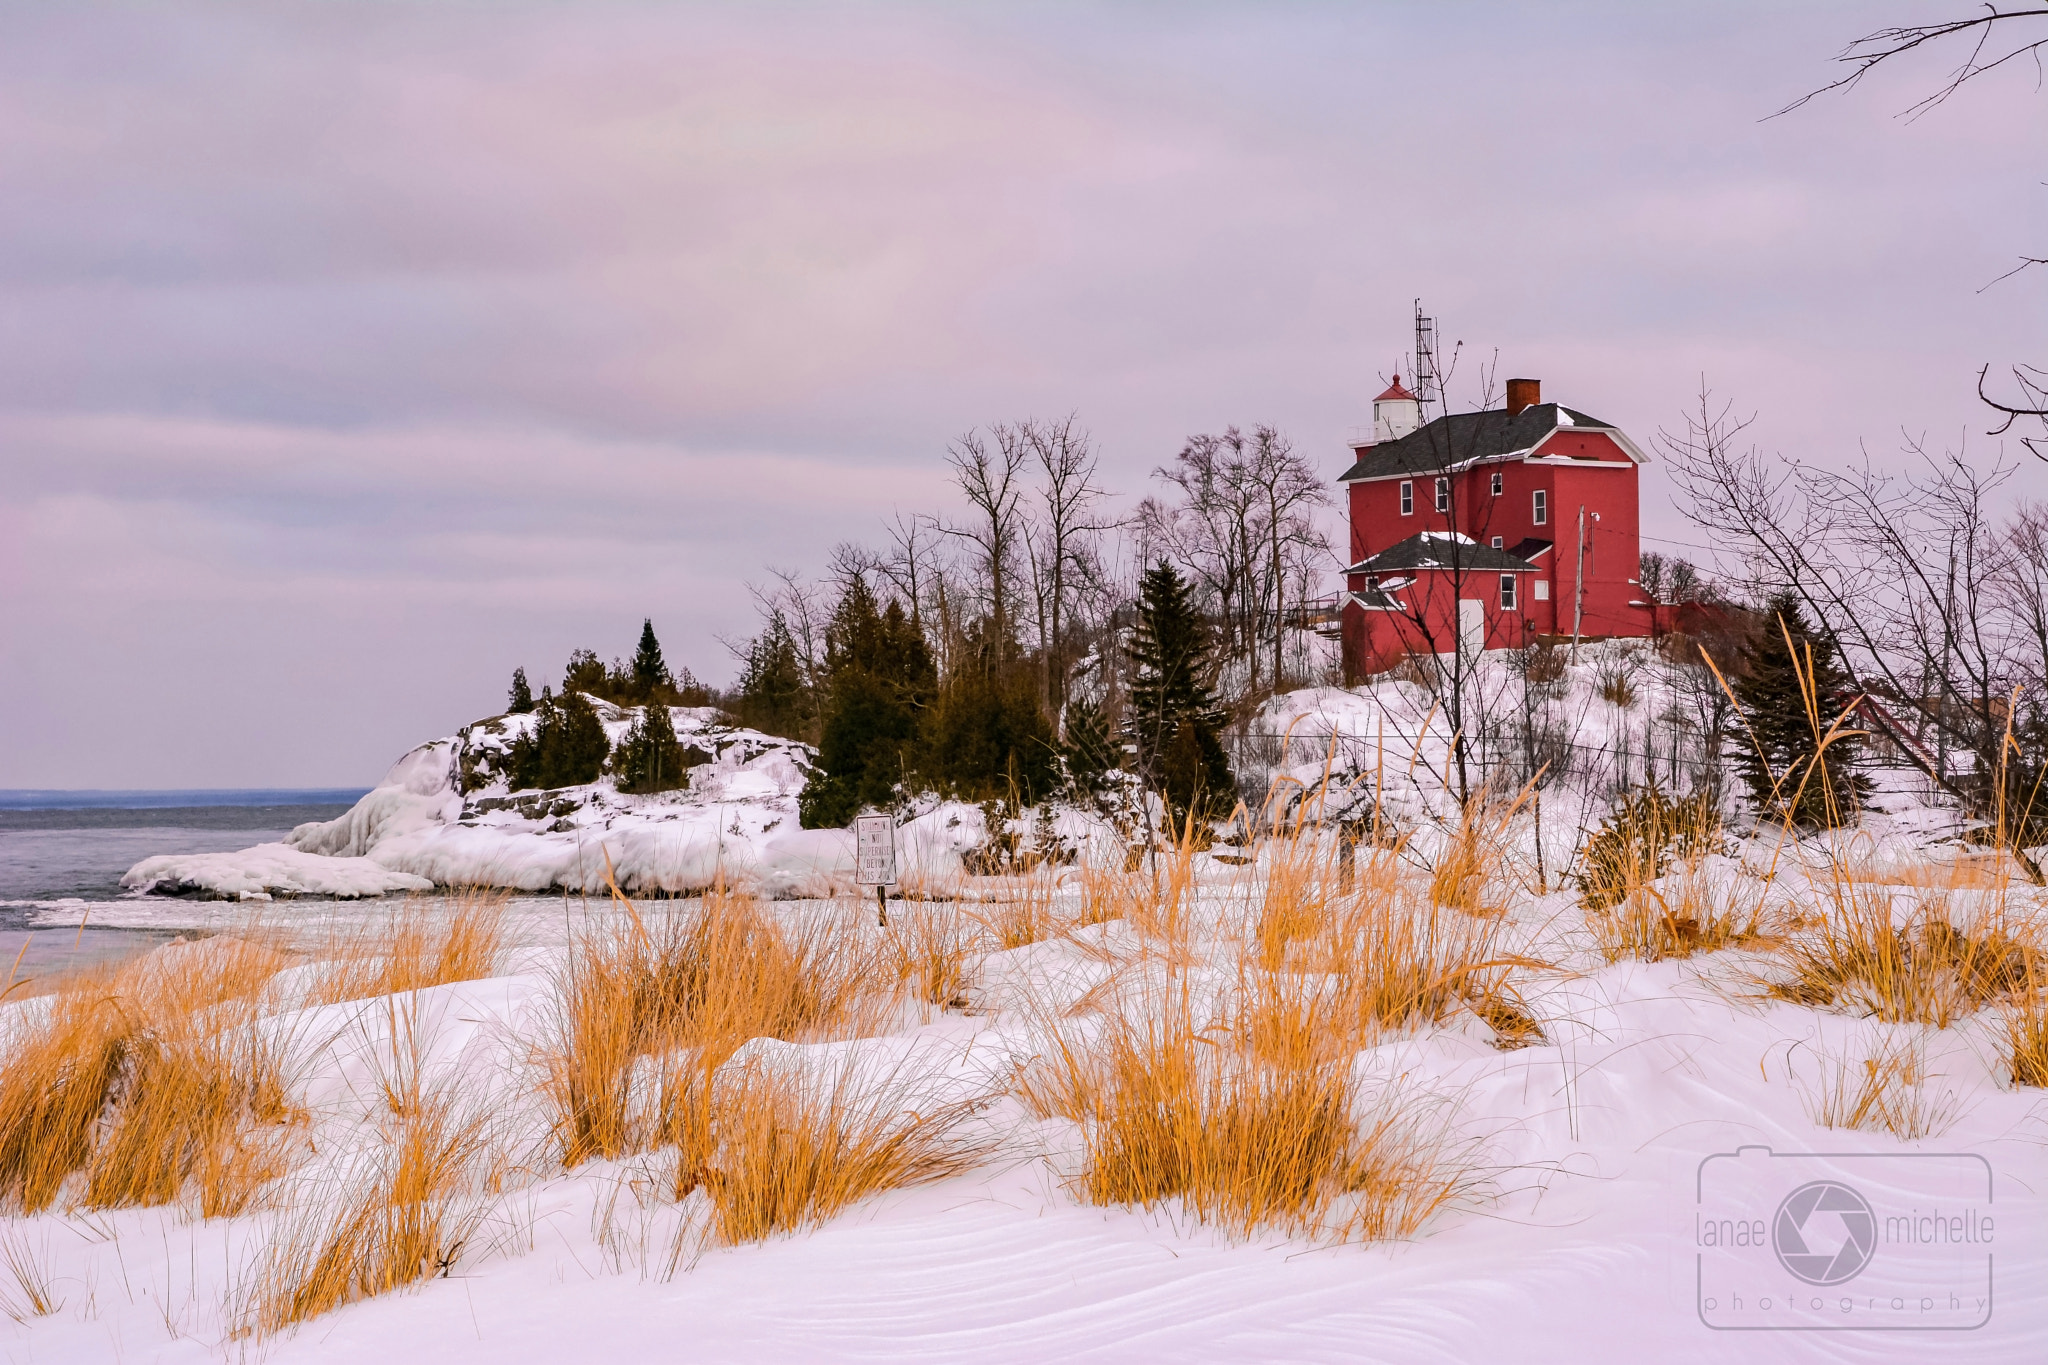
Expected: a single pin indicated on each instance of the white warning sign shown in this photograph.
(875, 847)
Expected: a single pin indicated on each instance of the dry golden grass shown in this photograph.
(705, 982)
(1350, 956)
(151, 1078)
(1109, 894)
(930, 947)
(1883, 1093)
(788, 1151)
(1238, 1132)
(1692, 912)
(1469, 871)
(417, 946)
(401, 1217)
(34, 1294)
(1965, 872)
(1859, 955)
(2026, 1040)
(1157, 894)
(1025, 911)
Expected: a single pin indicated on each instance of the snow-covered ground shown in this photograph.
(1581, 1238)
(1580, 1242)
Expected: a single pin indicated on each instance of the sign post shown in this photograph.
(874, 841)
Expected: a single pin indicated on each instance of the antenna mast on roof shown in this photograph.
(1428, 387)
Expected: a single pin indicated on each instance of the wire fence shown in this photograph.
(1674, 758)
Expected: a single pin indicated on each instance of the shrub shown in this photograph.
(1636, 842)
(1616, 682)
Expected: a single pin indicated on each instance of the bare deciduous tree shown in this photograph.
(1927, 595)
(987, 470)
(1062, 545)
(1995, 37)
(1243, 527)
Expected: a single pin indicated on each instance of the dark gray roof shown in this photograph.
(1463, 437)
(1528, 547)
(1432, 550)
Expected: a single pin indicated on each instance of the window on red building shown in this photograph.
(1507, 592)
(1443, 495)
(1498, 483)
(1542, 507)
(1407, 498)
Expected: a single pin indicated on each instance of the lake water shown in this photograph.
(62, 855)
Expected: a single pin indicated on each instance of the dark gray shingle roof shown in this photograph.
(1463, 437)
(1433, 550)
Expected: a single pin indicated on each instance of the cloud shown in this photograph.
(351, 355)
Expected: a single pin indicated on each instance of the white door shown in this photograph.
(1471, 625)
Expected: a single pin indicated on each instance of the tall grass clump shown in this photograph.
(152, 1079)
(419, 945)
(702, 983)
(1468, 871)
(1029, 912)
(929, 948)
(35, 1291)
(788, 1150)
(1885, 1092)
(383, 1221)
(1172, 1112)
(2026, 1040)
(1862, 956)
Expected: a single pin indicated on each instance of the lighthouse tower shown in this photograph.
(1395, 413)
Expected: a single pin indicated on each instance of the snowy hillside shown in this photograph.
(443, 816)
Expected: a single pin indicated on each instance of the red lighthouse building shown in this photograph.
(1483, 530)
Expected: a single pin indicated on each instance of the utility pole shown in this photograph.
(1579, 587)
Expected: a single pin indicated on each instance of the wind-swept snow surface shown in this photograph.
(1580, 1240)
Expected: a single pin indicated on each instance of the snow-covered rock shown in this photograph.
(266, 871)
(444, 815)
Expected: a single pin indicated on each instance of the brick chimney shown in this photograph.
(1523, 393)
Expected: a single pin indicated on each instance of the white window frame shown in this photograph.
(1540, 502)
(1542, 590)
(1507, 592)
(1500, 542)
(1443, 493)
(1407, 497)
(1499, 483)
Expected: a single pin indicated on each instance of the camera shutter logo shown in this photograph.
(1807, 1223)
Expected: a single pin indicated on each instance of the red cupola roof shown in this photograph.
(1395, 391)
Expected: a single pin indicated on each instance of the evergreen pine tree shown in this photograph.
(1172, 717)
(1089, 753)
(879, 679)
(989, 736)
(772, 695)
(1785, 735)
(523, 766)
(521, 700)
(650, 675)
(649, 758)
(585, 673)
(575, 751)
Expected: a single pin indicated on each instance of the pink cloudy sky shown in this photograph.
(351, 355)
